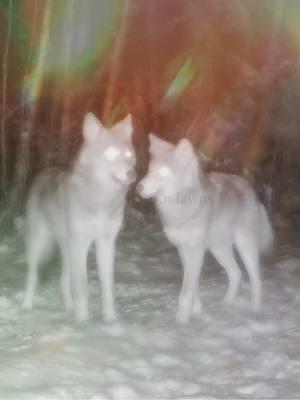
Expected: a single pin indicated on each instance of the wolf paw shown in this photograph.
(182, 317)
(69, 306)
(27, 305)
(256, 307)
(197, 307)
(82, 318)
(82, 315)
(230, 297)
(110, 318)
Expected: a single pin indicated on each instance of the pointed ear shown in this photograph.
(125, 127)
(203, 157)
(92, 127)
(204, 160)
(158, 146)
(184, 151)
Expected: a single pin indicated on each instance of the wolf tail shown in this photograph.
(266, 235)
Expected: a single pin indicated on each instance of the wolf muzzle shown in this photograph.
(140, 188)
(131, 175)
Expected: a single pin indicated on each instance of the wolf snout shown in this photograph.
(140, 189)
(131, 175)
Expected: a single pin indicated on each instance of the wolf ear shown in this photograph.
(203, 157)
(158, 146)
(125, 126)
(92, 127)
(184, 150)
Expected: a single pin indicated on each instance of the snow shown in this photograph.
(227, 352)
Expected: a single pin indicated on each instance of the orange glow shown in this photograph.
(226, 44)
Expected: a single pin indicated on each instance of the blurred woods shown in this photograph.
(223, 74)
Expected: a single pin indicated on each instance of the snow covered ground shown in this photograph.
(229, 352)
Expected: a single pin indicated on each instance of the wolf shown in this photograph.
(77, 207)
(203, 211)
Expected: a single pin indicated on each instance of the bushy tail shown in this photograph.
(265, 232)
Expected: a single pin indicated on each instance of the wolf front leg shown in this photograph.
(105, 250)
(76, 258)
(196, 306)
(189, 301)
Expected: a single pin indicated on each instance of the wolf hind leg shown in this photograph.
(225, 257)
(248, 249)
(66, 280)
(39, 244)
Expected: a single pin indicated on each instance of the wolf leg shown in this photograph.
(105, 250)
(66, 280)
(248, 250)
(192, 259)
(197, 305)
(225, 257)
(76, 256)
(39, 243)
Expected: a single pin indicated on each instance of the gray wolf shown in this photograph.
(206, 211)
(76, 207)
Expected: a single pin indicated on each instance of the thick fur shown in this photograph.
(200, 212)
(73, 208)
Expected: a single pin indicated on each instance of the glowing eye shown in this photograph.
(164, 171)
(112, 153)
(128, 154)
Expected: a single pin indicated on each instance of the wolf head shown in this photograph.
(108, 152)
(172, 168)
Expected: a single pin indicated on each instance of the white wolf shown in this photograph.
(205, 211)
(77, 207)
